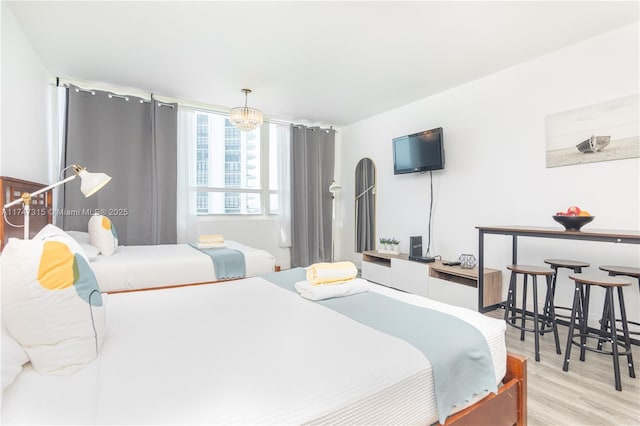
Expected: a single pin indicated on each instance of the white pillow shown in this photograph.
(82, 238)
(13, 358)
(79, 236)
(51, 303)
(90, 251)
(102, 234)
(50, 231)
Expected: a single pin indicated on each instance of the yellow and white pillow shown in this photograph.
(102, 234)
(51, 303)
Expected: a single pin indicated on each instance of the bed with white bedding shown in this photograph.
(140, 267)
(242, 352)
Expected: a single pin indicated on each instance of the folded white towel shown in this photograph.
(327, 291)
(211, 245)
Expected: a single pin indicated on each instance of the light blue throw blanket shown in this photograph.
(228, 263)
(458, 352)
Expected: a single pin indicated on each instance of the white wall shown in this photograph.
(495, 173)
(26, 102)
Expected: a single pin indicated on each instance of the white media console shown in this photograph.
(449, 284)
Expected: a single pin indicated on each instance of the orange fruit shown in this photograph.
(584, 213)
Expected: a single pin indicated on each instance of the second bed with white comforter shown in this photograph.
(139, 267)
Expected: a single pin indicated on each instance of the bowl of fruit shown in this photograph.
(574, 218)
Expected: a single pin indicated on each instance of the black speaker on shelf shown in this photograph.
(415, 250)
(415, 247)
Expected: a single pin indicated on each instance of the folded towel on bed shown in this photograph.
(328, 273)
(211, 239)
(211, 245)
(337, 289)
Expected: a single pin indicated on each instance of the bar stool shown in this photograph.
(608, 283)
(628, 272)
(510, 311)
(574, 265)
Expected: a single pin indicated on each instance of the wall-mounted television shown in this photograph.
(418, 152)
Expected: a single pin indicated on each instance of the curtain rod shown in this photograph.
(313, 128)
(147, 96)
(123, 97)
(127, 91)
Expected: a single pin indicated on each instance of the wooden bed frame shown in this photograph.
(12, 189)
(506, 408)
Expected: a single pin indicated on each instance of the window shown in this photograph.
(202, 161)
(236, 172)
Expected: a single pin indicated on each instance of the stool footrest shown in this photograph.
(636, 324)
(599, 339)
(528, 317)
(564, 309)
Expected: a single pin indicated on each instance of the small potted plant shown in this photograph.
(395, 246)
(389, 245)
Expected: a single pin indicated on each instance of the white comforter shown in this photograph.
(137, 267)
(240, 352)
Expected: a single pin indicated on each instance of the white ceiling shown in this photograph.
(325, 62)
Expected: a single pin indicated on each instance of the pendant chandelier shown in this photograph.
(246, 118)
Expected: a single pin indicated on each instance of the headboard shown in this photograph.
(41, 205)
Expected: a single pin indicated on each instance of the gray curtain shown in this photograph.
(164, 128)
(312, 164)
(365, 205)
(135, 142)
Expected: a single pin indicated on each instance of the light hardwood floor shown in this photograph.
(585, 395)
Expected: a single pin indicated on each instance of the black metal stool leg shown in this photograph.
(614, 339)
(578, 270)
(552, 315)
(584, 324)
(551, 293)
(524, 307)
(572, 324)
(511, 300)
(625, 332)
(536, 320)
(581, 311)
(604, 324)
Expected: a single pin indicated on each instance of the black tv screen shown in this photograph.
(418, 152)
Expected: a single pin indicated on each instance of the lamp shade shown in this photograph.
(246, 118)
(92, 182)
